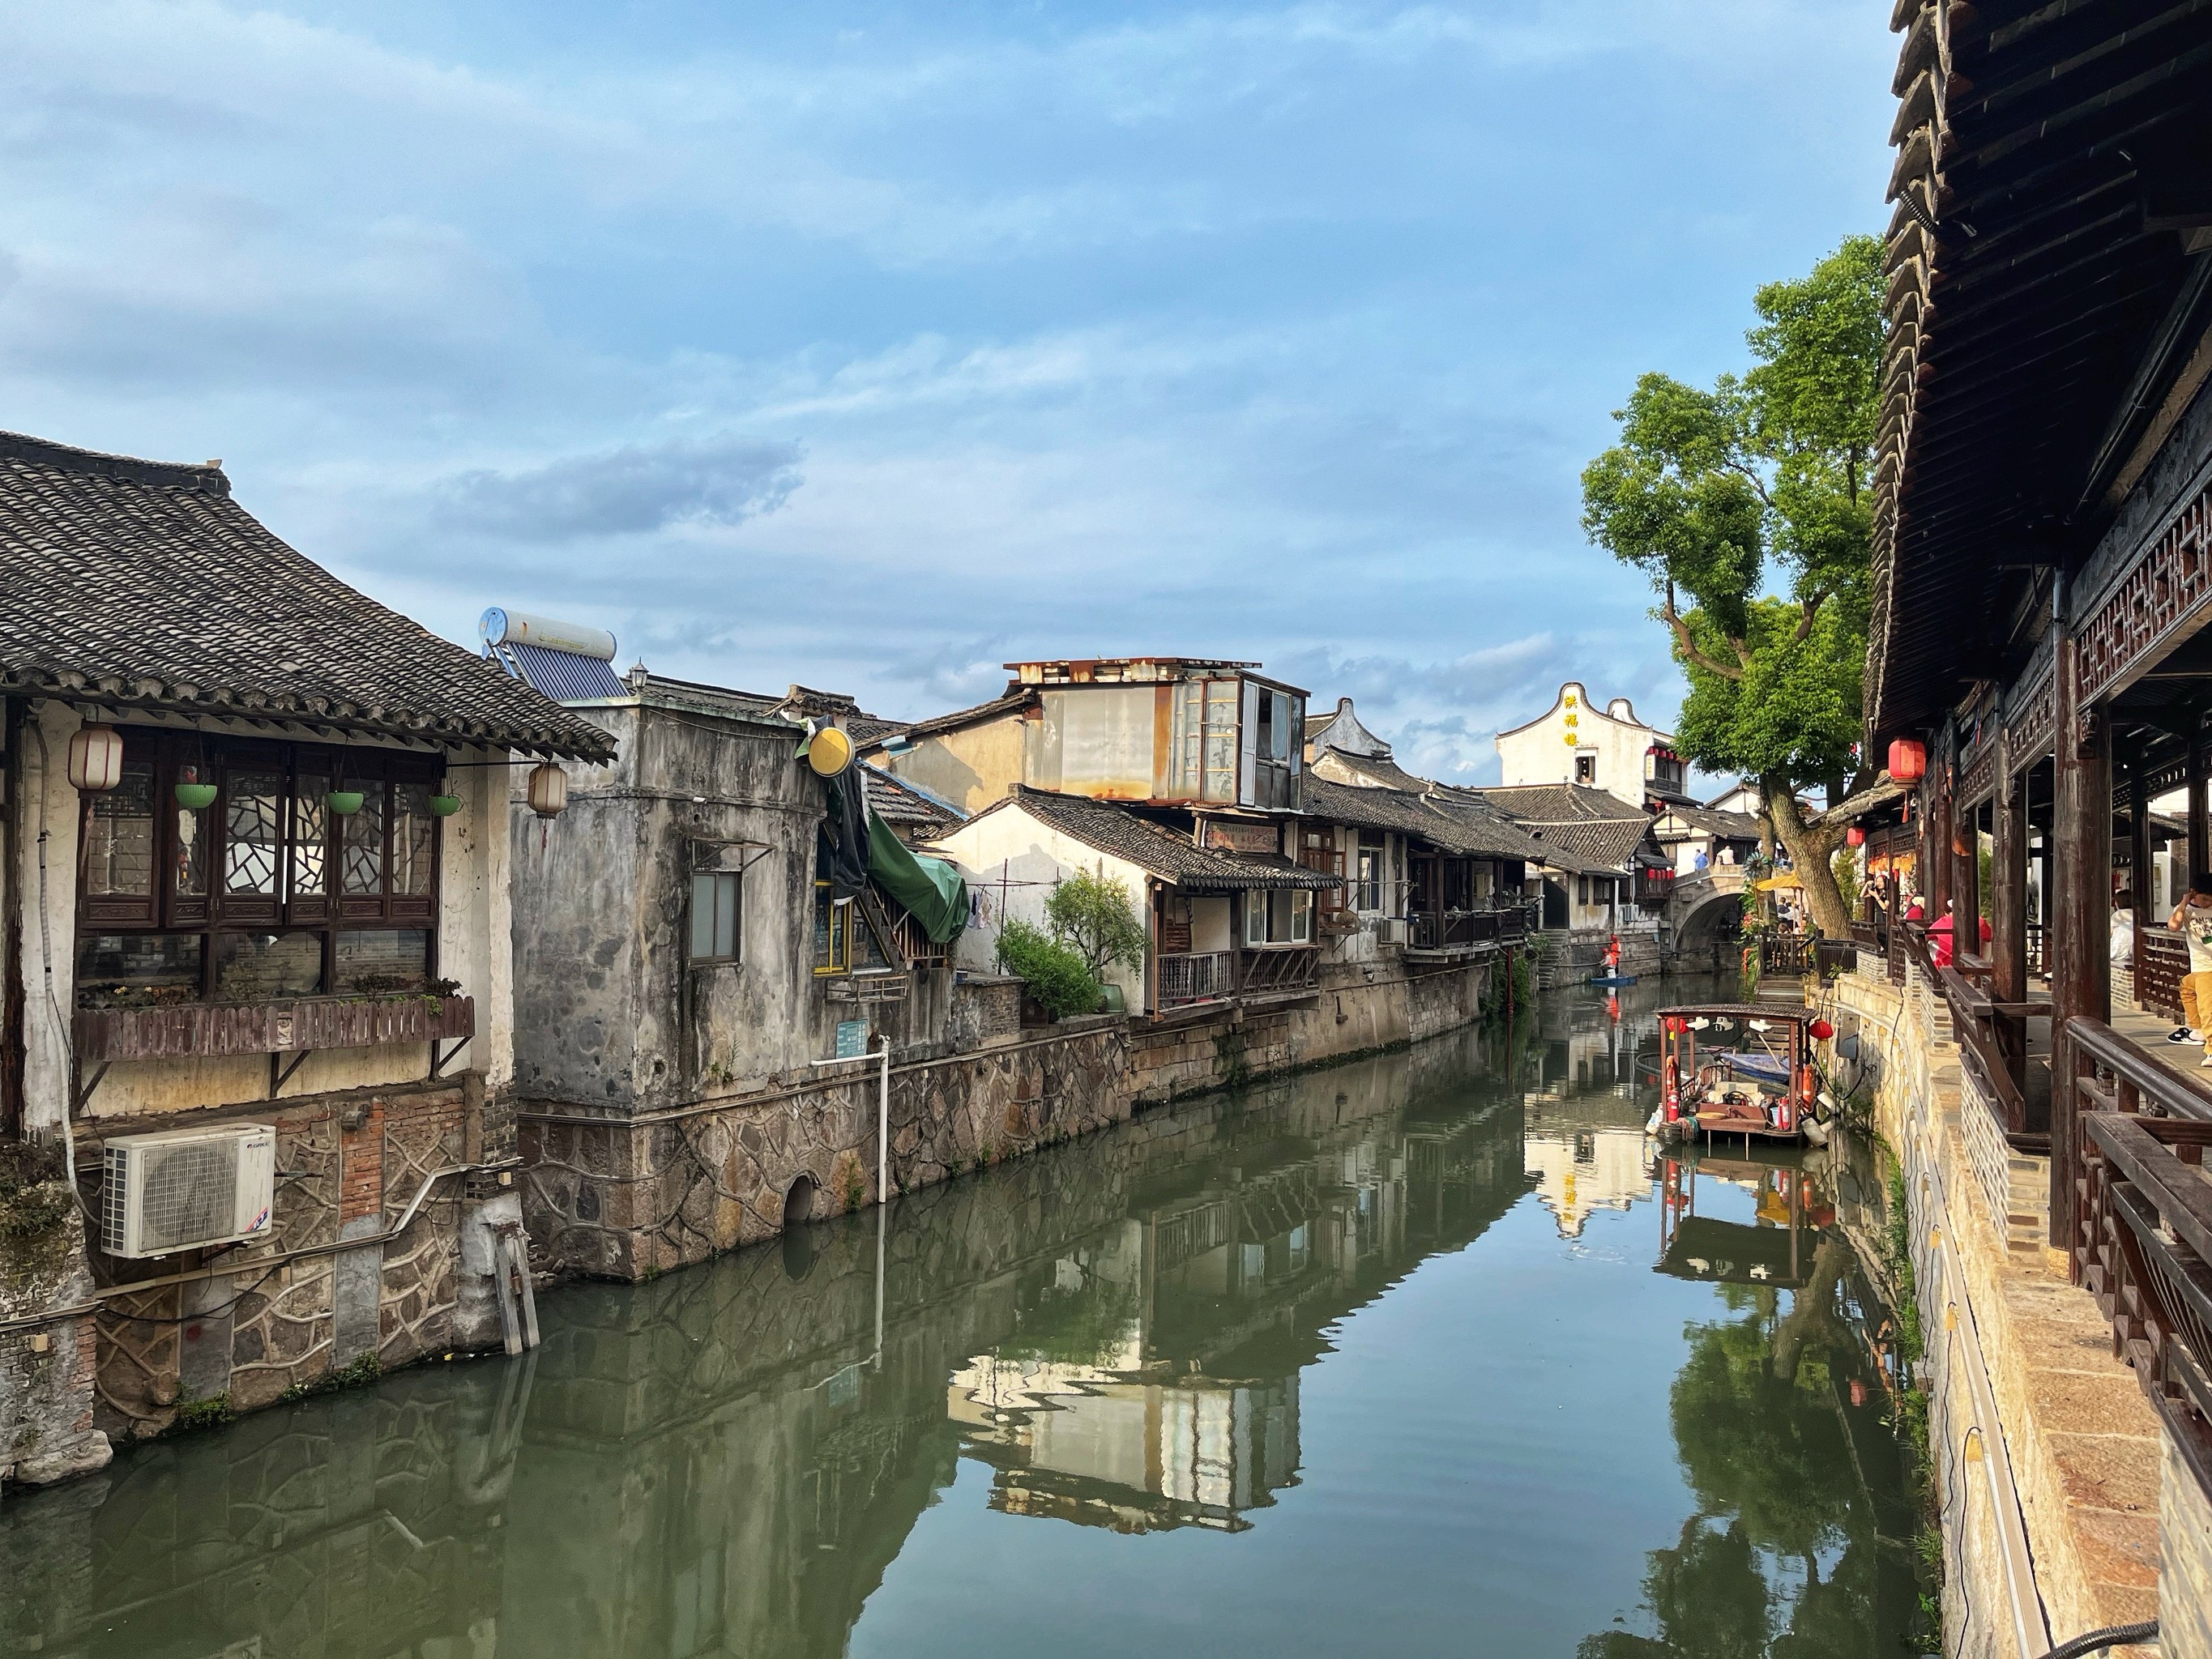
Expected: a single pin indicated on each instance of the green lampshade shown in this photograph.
(195, 796)
(343, 802)
(444, 807)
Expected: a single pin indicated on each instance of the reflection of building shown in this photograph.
(1579, 1169)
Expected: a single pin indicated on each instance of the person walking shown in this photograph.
(2192, 918)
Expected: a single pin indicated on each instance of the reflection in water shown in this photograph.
(1327, 1328)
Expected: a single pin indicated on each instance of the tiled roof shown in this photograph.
(1158, 850)
(1609, 842)
(899, 802)
(1466, 828)
(1705, 820)
(1574, 822)
(1015, 698)
(1368, 771)
(142, 585)
(1557, 803)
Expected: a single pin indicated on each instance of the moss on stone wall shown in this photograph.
(38, 1217)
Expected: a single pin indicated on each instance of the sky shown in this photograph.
(871, 346)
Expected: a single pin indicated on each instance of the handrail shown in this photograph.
(2167, 1093)
(1974, 1014)
(2143, 1242)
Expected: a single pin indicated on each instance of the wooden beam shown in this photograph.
(2200, 841)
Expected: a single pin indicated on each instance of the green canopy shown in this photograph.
(932, 889)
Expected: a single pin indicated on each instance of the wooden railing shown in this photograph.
(1448, 930)
(2142, 1243)
(2037, 965)
(914, 945)
(1993, 1046)
(1196, 976)
(196, 1030)
(1785, 953)
(1297, 968)
(2161, 959)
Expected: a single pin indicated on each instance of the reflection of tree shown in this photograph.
(1765, 1445)
(1709, 1595)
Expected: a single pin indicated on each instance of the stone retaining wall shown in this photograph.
(2081, 1442)
(630, 1198)
(349, 1166)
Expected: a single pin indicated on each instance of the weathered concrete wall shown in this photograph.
(609, 1195)
(620, 1018)
(2081, 1443)
(968, 769)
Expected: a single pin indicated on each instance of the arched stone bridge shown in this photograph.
(1702, 915)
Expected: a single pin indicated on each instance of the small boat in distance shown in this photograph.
(1729, 1069)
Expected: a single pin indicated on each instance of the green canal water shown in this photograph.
(1425, 1354)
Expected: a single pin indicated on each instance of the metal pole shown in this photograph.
(883, 1128)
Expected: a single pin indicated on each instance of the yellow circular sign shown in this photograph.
(829, 751)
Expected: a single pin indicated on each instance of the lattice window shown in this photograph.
(362, 865)
(253, 832)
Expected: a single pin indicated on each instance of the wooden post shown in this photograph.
(2200, 852)
(2079, 943)
(1935, 830)
(2139, 862)
(2008, 911)
(1966, 881)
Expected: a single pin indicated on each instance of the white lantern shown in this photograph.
(96, 759)
(549, 790)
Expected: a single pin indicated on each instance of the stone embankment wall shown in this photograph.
(2047, 1455)
(1564, 958)
(632, 1197)
(280, 1315)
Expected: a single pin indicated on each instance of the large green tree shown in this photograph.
(1750, 508)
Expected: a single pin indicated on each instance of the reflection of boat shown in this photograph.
(1730, 1069)
(1776, 1249)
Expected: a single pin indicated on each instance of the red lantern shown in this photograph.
(1855, 836)
(1908, 760)
(1821, 1030)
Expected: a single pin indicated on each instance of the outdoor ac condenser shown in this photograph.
(1389, 930)
(184, 1188)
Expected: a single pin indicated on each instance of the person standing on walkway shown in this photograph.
(2192, 918)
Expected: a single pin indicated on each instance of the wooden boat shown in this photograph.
(1736, 1069)
(1614, 980)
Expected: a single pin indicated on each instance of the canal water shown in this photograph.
(1426, 1354)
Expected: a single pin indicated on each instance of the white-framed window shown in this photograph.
(1282, 916)
(1367, 873)
(716, 908)
(1586, 768)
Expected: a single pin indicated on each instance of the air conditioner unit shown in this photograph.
(184, 1189)
(1389, 930)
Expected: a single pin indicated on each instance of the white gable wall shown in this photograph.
(1545, 750)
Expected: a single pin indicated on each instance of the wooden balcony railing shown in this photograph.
(1449, 930)
(2142, 1243)
(1785, 953)
(198, 1029)
(1195, 976)
(1993, 1046)
(2161, 959)
(1293, 968)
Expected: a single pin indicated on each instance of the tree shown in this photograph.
(1054, 972)
(1750, 508)
(1092, 913)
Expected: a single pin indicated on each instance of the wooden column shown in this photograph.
(1936, 837)
(2009, 910)
(2079, 942)
(1966, 881)
(2139, 852)
(2200, 852)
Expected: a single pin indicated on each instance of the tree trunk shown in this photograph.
(1811, 848)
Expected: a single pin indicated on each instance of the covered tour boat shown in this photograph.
(1734, 1069)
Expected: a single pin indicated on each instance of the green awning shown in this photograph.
(931, 889)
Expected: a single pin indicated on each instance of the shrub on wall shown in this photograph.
(1055, 973)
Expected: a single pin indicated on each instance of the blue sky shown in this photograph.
(873, 345)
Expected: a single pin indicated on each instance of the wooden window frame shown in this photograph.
(736, 953)
(215, 912)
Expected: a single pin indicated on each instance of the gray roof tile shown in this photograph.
(142, 585)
